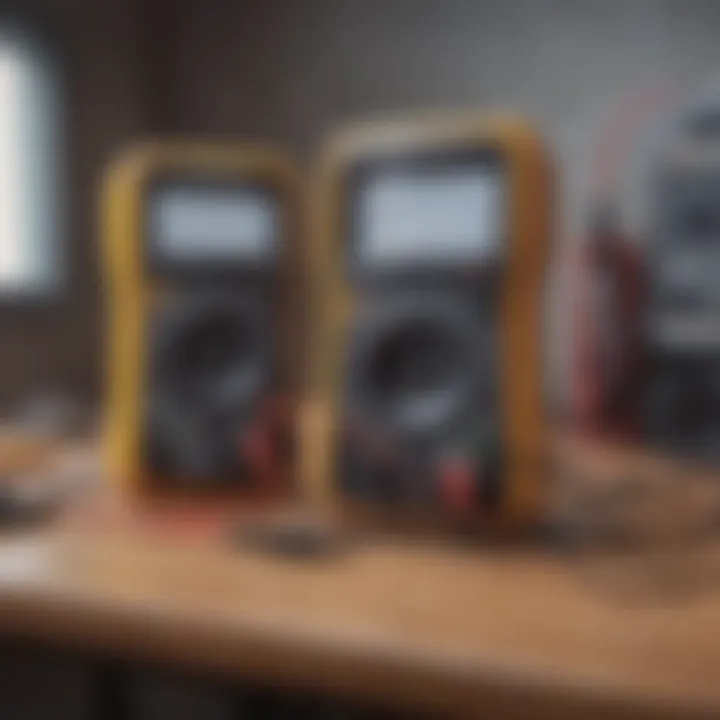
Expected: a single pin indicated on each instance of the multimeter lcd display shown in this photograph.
(446, 215)
(213, 225)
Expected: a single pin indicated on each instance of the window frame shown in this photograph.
(35, 34)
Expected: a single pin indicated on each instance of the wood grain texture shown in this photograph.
(486, 631)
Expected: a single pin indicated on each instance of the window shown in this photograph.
(29, 202)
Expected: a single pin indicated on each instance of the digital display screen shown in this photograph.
(206, 224)
(443, 215)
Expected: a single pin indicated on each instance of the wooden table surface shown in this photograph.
(508, 631)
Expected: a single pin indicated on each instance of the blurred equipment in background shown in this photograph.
(650, 366)
(610, 345)
(430, 244)
(681, 395)
(204, 321)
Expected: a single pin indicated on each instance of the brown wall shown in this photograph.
(292, 69)
(53, 345)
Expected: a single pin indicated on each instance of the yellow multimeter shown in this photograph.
(200, 242)
(428, 249)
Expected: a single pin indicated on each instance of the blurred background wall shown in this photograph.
(52, 344)
(292, 70)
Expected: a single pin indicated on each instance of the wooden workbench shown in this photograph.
(510, 631)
